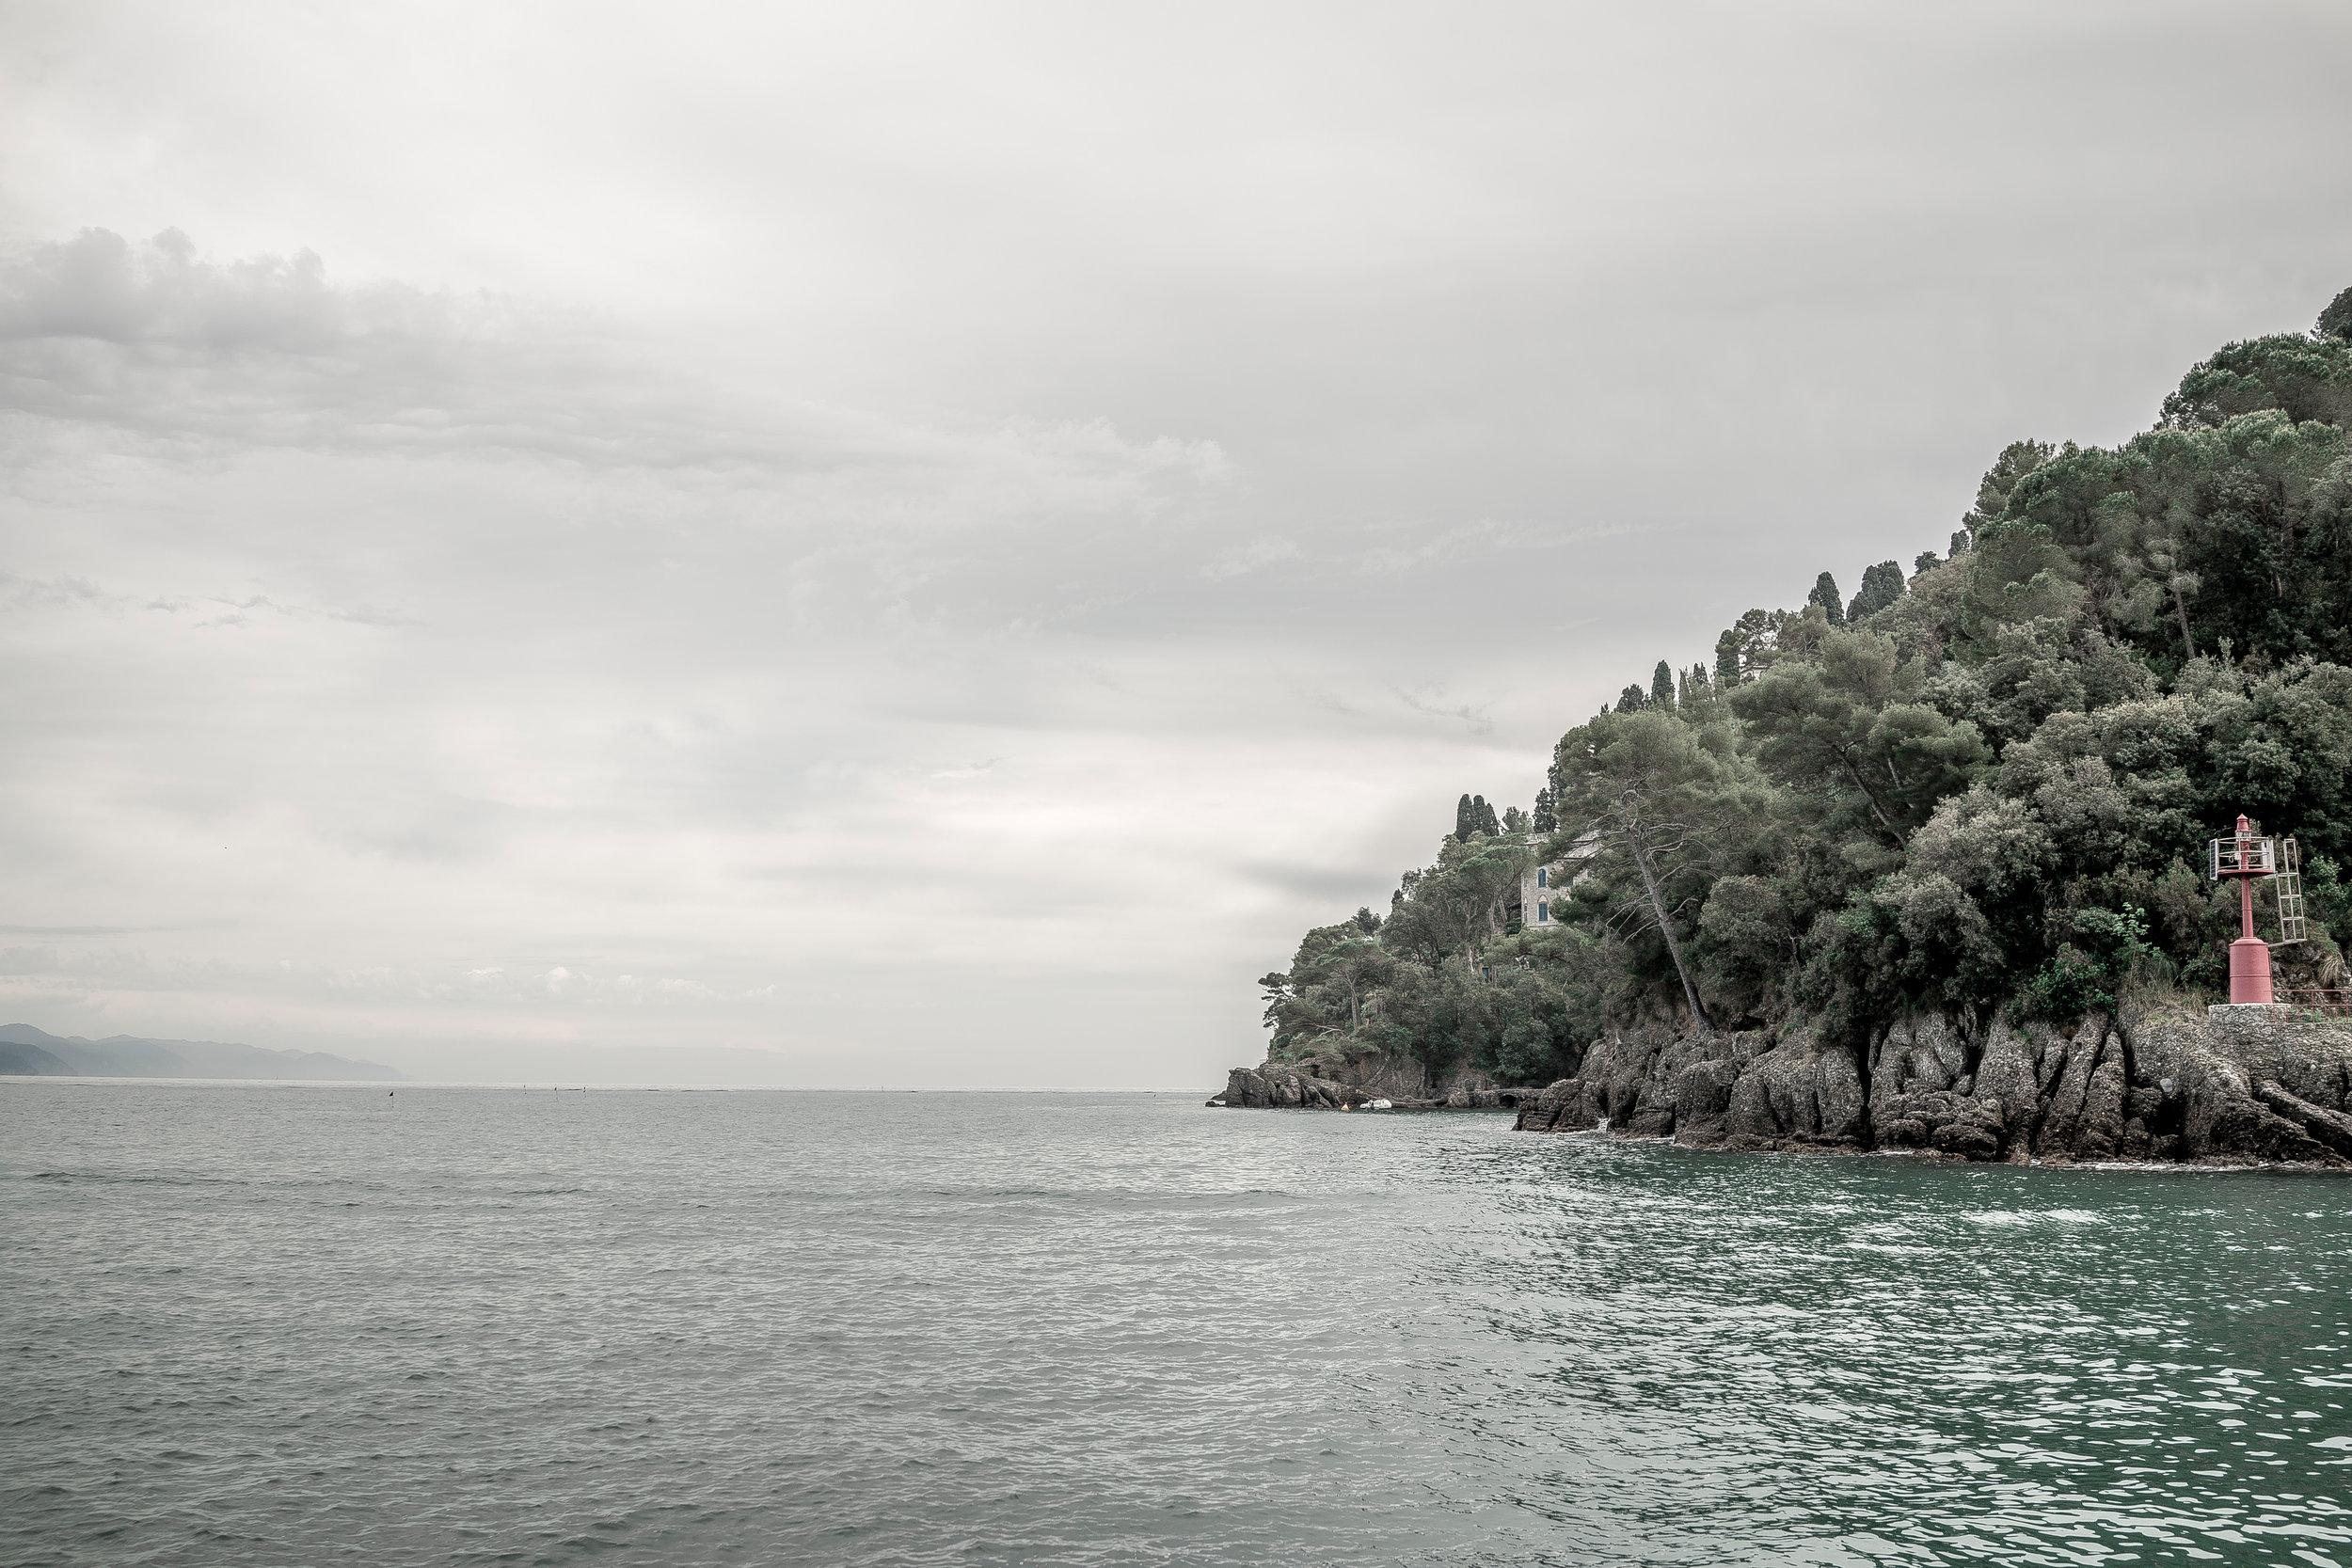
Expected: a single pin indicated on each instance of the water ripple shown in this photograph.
(490, 1327)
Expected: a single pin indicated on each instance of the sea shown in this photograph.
(304, 1324)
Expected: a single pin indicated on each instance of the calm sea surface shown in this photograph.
(257, 1325)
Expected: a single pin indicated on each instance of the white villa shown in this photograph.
(1541, 885)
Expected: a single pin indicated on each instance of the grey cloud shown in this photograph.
(267, 350)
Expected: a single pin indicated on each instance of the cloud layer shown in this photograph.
(926, 546)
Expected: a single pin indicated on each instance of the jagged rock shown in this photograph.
(2099, 1135)
(1329, 1079)
(2168, 1086)
(1550, 1110)
(2137, 1144)
(2049, 1054)
(1920, 1054)
(1942, 1118)
(1651, 1121)
(2332, 1128)
(2006, 1075)
(2240, 1130)
(1275, 1085)
(1702, 1091)
(1799, 1091)
(1972, 1140)
(2061, 1118)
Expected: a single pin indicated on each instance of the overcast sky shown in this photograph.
(928, 543)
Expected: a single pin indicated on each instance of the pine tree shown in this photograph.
(1661, 686)
(2336, 321)
(1632, 700)
(1825, 594)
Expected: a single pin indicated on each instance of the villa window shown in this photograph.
(1543, 912)
(1541, 874)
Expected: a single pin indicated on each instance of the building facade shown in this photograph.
(1540, 887)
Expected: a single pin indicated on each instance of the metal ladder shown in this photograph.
(2288, 884)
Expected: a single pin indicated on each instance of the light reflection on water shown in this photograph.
(262, 1324)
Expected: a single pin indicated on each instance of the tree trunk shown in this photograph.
(1871, 795)
(1666, 929)
(2179, 607)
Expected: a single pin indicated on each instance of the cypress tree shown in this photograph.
(1727, 659)
(1825, 594)
(1547, 821)
(1482, 816)
(1661, 686)
(1464, 820)
(1881, 585)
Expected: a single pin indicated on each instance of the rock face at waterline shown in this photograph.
(1333, 1079)
(2235, 1086)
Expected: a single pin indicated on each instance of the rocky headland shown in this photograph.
(2225, 1085)
(1336, 1079)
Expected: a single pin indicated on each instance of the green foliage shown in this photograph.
(1850, 726)
(1987, 787)
(1748, 644)
(2016, 460)
(1825, 594)
(2071, 984)
(2079, 980)
(2306, 378)
(1881, 585)
(2336, 321)
(1472, 814)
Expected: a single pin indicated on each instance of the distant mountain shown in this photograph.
(27, 1051)
(19, 1060)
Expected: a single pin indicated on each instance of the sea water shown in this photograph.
(313, 1324)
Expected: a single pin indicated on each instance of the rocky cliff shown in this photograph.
(2231, 1085)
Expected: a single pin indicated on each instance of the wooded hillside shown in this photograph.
(1985, 782)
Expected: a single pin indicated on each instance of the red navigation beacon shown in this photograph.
(2247, 858)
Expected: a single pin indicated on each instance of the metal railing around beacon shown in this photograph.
(2313, 1001)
